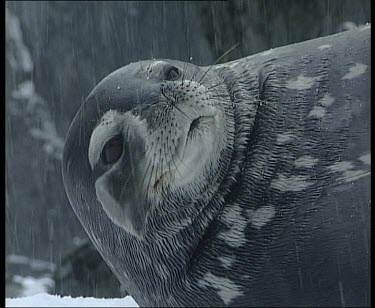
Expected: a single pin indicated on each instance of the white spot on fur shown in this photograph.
(348, 174)
(356, 70)
(301, 82)
(322, 47)
(235, 236)
(237, 223)
(341, 166)
(226, 261)
(262, 216)
(231, 213)
(353, 175)
(306, 161)
(267, 52)
(227, 289)
(366, 159)
(327, 100)
(317, 112)
(284, 137)
(292, 183)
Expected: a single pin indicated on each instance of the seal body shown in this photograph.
(263, 196)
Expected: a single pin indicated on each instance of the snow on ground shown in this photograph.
(47, 300)
(31, 286)
(32, 292)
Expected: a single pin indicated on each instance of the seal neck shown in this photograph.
(244, 111)
(243, 97)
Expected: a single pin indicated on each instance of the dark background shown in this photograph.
(57, 51)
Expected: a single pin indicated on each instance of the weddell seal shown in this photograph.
(240, 184)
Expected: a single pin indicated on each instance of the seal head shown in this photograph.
(156, 138)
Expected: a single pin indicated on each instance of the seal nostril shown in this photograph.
(172, 73)
(112, 150)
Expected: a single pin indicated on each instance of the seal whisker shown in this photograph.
(160, 177)
(157, 175)
(178, 171)
(195, 73)
(214, 86)
(123, 190)
(183, 74)
(145, 174)
(357, 175)
(130, 155)
(221, 57)
(182, 162)
(172, 160)
(174, 106)
(148, 69)
(151, 174)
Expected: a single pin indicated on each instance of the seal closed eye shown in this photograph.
(241, 184)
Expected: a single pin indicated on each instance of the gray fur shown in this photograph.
(266, 203)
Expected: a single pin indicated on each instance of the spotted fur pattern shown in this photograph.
(273, 212)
